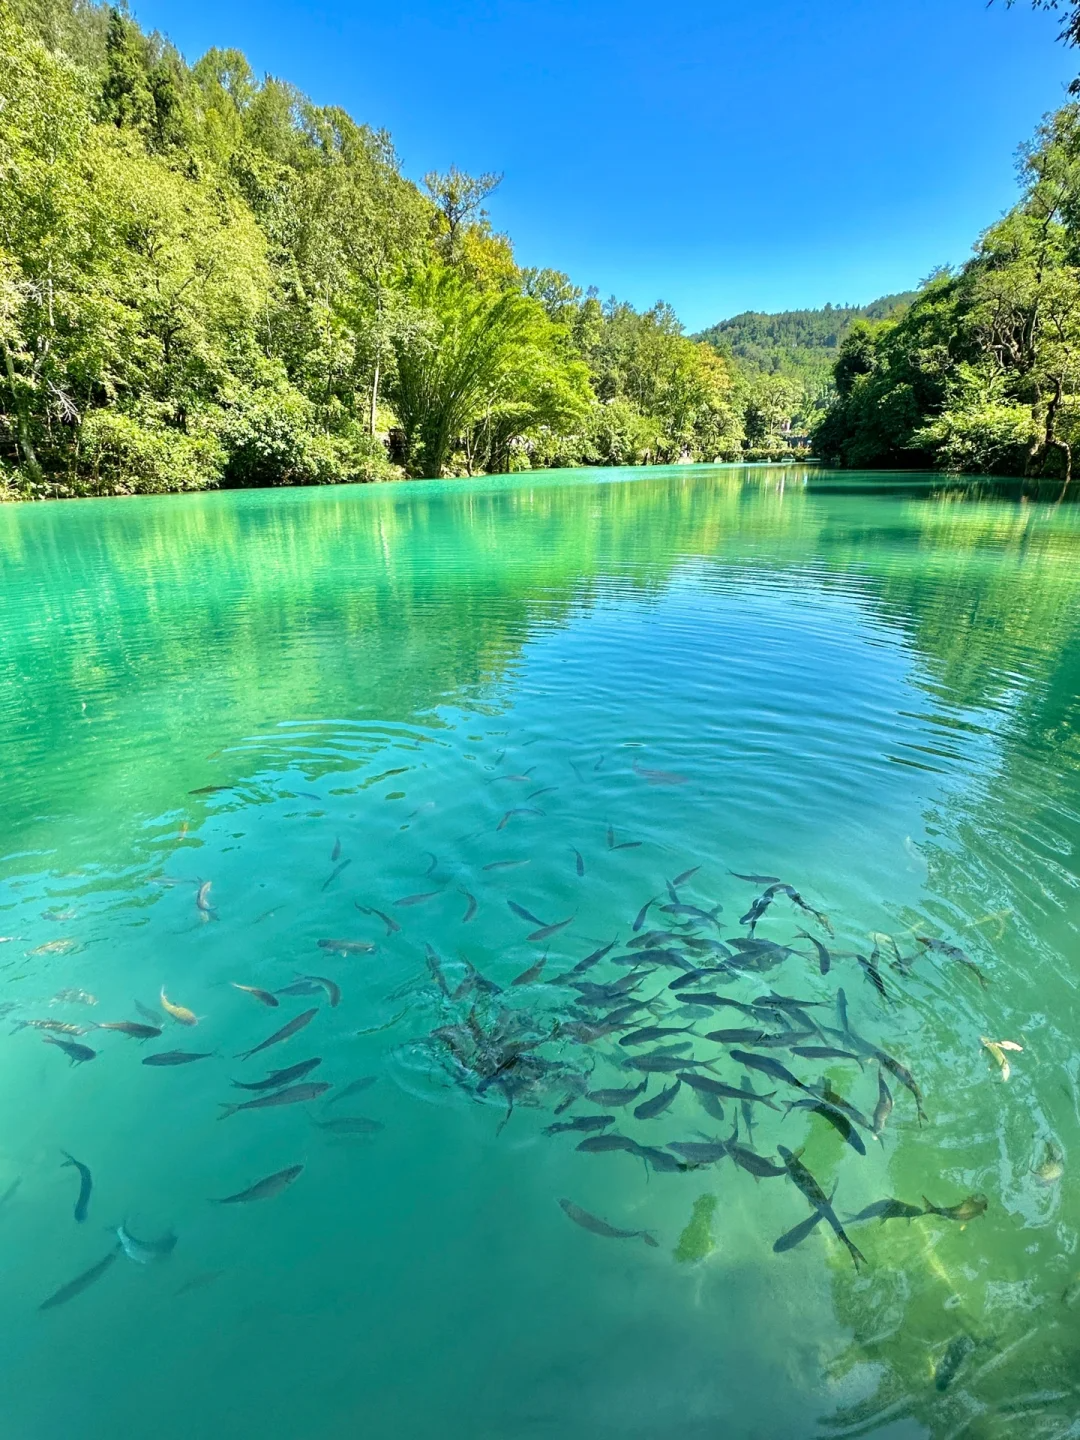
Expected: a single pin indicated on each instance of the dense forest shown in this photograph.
(784, 360)
(981, 372)
(207, 279)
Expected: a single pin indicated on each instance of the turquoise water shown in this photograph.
(867, 687)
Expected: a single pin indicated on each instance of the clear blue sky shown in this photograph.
(721, 156)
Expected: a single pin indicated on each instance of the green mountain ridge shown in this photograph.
(795, 341)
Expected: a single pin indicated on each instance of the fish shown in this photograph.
(264, 1189)
(523, 914)
(726, 1092)
(694, 912)
(335, 873)
(296, 1023)
(824, 1052)
(81, 1282)
(52, 947)
(640, 920)
(699, 1152)
(580, 1122)
(1052, 1167)
(768, 1066)
(601, 1227)
(278, 1078)
(754, 1164)
(350, 1125)
(756, 879)
(331, 988)
(202, 901)
(291, 1095)
(660, 1063)
(546, 931)
(73, 997)
(660, 1160)
(824, 958)
(263, 996)
(592, 959)
(197, 1282)
(883, 1108)
(686, 875)
(304, 986)
(58, 1027)
(209, 789)
(517, 810)
(953, 952)
(997, 1049)
(609, 1099)
(737, 1036)
(76, 1053)
(392, 927)
(470, 909)
(600, 1144)
(180, 1013)
(544, 790)
(836, 1118)
(756, 911)
(354, 1087)
(435, 970)
(655, 1032)
(86, 1184)
(788, 1040)
(798, 1233)
(967, 1209)
(420, 899)
(746, 1106)
(177, 1057)
(579, 861)
(152, 1016)
(145, 1252)
(133, 1028)
(335, 853)
(347, 947)
(887, 1210)
(873, 974)
(903, 1074)
(532, 973)
(805, 1182)
(841, 1010)
(956, 1352)
(10, 1191)
(506, 864)
(658, 777)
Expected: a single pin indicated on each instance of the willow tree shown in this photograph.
(470, 359)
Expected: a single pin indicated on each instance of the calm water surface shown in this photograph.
(867, 687)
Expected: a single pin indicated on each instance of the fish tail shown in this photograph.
(227, 1109)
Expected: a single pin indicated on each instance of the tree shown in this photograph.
(458, 199)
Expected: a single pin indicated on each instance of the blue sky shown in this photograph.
(720, 156)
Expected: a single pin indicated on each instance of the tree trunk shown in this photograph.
(374, 398)
(25, 443)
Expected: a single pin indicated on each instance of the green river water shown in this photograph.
(868, 687)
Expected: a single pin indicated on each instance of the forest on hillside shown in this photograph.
(785, 359)
(207, 279)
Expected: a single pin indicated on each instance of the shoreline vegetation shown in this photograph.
(208, 281)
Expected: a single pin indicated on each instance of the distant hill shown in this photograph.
(800, 343)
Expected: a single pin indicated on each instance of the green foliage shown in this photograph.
(207, 279)
(982, 372)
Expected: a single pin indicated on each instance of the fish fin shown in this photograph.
(931, 1208)
(228, 1110)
